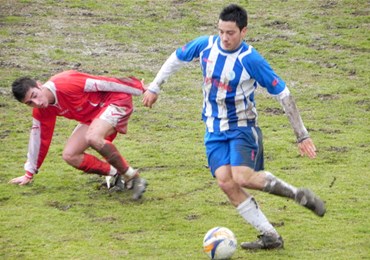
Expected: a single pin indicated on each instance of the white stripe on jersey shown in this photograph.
(227, 75)
(95, 85)
(207, 85)
(244, 89)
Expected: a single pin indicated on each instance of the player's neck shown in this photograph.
(49, 95)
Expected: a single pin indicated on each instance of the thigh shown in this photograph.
(244, 147)
(100, 129)
(76, 143)
(217, 149)
(117, 116)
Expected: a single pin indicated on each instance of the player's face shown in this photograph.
(230, 34)
(35, 97)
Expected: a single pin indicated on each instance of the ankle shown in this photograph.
(112, 171)
(130, 173)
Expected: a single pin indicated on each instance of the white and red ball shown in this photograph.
(219, 243)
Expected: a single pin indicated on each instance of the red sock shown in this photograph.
(91, 164)
(113, 156)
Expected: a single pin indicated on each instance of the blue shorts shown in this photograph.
(238, 147)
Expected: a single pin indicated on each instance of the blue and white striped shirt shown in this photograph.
(229, 81)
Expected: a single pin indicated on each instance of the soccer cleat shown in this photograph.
(130, 183)
(139, 187)
(265, 241)
(308, 199)
(118, 183)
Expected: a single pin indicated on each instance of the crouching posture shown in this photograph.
(101, 105)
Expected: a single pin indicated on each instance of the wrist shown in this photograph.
(154, 88)
(152, 91)
(28, 175)
(302, 138)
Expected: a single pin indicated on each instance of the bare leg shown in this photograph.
(98, 130)
(245, 204)
(74, 154)
(95, 137)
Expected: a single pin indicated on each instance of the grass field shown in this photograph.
(320, 48)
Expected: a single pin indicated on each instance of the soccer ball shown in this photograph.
(219, 243)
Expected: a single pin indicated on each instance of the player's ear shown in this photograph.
(244, 31)
(39, 84)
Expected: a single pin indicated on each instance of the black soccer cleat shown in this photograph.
(118, 182)
(265, 241)
(308, 199)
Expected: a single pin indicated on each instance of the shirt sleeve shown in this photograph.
(171, 65)
(192, 49)
(177, 60)
(130, 85)
(41, 134)
(260, 70)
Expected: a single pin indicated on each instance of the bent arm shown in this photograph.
(130, 85)
(305, 143)
(291, 110)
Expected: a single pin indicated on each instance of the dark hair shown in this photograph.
(21, 86)
(235, 13)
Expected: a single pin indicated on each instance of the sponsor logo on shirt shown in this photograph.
(64, 112)
(207, 60)
(231, 75)
(217, 84)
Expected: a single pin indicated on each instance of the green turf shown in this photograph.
(320, 48)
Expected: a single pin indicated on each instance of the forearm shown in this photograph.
(171, 65)
(291, 110)
(130, 85)
(39, 141)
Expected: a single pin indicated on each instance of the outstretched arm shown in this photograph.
(130, 85)
(171, 65)
(305, 143)
(39, 142)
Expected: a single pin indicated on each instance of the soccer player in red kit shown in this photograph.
(102, 106)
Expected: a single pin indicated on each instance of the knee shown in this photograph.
(69, 158)
(248, 179)
(244, 181)
(92, 140)
(227, 186)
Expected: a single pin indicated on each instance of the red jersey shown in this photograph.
(78, 96)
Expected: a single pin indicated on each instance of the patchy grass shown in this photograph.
(320, 48)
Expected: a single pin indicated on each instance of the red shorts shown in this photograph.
(117, 114)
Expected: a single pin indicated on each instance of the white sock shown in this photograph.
(130, 172)
(113, 171)
(251, 212)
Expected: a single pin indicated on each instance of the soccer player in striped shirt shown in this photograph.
(102, 106)
(231, 71)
